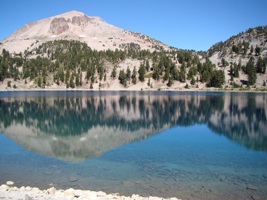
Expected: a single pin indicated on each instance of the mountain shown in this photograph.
(238, 50)
(73, 25)
(76, 51)
(253, 42)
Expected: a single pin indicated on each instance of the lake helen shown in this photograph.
(191, 145)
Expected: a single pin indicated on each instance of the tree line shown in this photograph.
(64, 61)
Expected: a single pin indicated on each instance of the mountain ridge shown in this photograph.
(73, 50)
(237, 51)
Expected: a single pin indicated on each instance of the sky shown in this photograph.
(184, 24)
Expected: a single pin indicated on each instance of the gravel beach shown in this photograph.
(10, 191)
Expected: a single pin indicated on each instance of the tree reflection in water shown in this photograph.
(87, 124)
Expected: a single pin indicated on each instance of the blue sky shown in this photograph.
(186, 24)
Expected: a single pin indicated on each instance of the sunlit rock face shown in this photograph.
(80, 20)
(73, 25)
(77, 126)
(58, 26)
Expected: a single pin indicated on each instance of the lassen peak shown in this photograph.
(74, 25)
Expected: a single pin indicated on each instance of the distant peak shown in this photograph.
(74, 12)
(71, 14)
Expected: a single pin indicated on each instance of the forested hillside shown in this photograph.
(75, 65)
(244, 57)
(239, 62)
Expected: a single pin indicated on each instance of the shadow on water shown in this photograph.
(78, 125)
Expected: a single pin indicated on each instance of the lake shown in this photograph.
(189, 145)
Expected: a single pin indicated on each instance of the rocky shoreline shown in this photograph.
(10, 191)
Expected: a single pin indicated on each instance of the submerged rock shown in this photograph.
(251, 188)
(73, 178)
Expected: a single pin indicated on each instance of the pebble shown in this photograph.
(22, 188)
(9, 183)
(14, 189)
(255, 197)
(28, 188)
(135, 196)
(154, 198)
(100, 194)
(128, 184)
(35, 189)
(48, 172)
(73, 178)
(54, 194)
(27, 197)
(51, 191)
(251, 188)
(69, 192)
(78, 193)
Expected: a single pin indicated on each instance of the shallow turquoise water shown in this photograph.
(188, 145)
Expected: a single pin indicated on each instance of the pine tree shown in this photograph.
(128, 74)
(170, 81)
(251, 50)
(193, 81)
(114, 72)
(122, 78)
(147, 65)
(141, 73)
(251, 72)
(217, 79)
(261, 66)
(72, 85)
(167, 74)
(134, 75)
(257, 51)
(156, 73)
(39, 81)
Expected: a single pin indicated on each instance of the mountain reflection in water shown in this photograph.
(74, 126)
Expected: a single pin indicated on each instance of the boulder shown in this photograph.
(4, 188)
(73, 178)
(59, 25)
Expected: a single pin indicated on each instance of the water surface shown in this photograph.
(188, 145)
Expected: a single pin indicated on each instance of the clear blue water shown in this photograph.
(187, 145)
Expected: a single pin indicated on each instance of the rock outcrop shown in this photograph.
(58, 26)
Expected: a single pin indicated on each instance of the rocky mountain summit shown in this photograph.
(73, 25)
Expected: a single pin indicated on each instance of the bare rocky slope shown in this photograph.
(73, 25)
(238, 50)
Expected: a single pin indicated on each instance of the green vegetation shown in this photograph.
(64, 62)
(251, 72)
